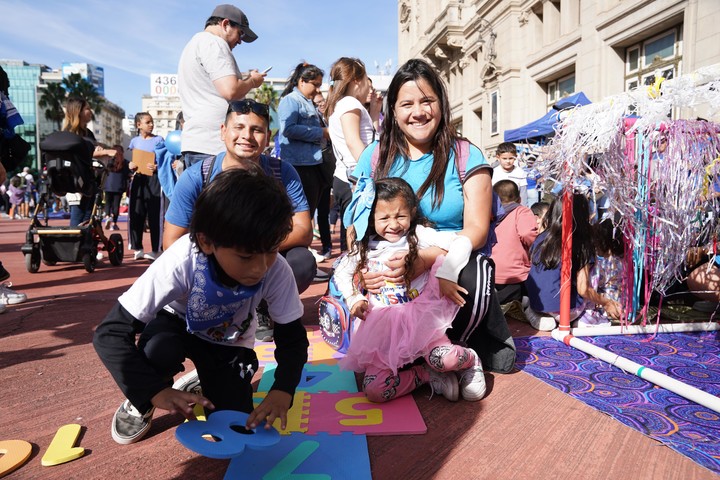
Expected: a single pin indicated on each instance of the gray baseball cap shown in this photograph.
(234, 14)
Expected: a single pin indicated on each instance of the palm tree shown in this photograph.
(79, 87)
(268, 95)
(52, 100)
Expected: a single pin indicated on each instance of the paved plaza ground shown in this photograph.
(50, 376)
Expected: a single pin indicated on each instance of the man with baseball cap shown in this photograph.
(209, 78)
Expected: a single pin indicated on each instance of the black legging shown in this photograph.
(323, 219)
(342, 191)
(313, 183)
(145, 203)
(480, 324)
(112, 205)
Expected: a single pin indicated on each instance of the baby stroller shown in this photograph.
(70, 169)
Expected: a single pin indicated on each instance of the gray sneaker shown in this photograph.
(8, 296)
(265, 330)
(539, 321)
(129, 425)
(188, 383)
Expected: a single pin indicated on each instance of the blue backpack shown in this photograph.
(336, 322)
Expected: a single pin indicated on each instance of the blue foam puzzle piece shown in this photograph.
(321, 456)
(315, 378)
(230, 443)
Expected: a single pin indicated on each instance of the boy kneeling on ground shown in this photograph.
(198, 301)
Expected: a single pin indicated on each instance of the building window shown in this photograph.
(656, 56)
(494, 113)
(559, 89)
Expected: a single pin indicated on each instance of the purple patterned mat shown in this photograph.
(693, 358)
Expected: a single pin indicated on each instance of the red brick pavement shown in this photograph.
(50, 376)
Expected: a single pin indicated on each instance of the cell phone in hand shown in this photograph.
(267, 69)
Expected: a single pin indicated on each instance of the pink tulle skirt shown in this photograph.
(396, 335)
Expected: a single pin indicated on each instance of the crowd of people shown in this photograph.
(436, 241)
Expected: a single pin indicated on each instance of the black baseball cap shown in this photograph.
(235, 15)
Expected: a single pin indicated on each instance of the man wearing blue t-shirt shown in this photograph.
(245, 134)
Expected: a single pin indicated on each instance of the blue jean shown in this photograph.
(81, 213)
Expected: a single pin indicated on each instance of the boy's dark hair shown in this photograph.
(506, 147)
(507, 190)
(608, 238)
(540, 208)
(388, 189)
(243, 208)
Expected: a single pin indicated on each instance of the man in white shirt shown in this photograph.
(208, 78)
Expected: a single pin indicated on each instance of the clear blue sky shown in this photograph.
(132, 39)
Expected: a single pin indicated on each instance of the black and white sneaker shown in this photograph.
(265, 328)
(190, 382)
(129, 425)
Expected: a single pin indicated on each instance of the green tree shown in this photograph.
(268, 95)
(52, 100)
(79, 87)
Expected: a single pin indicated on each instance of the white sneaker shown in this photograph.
(472, 381)
(138, 254)
(318, 258)
(8, 296)
(190, 382)
(99, 256)
(446, 384)
(151, 256)
(539, 322)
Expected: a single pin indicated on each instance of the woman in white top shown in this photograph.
(351, 126)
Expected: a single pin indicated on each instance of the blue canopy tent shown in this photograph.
(544, 126)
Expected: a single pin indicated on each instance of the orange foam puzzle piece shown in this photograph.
(13, 454)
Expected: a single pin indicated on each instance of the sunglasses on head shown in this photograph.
(248, 105)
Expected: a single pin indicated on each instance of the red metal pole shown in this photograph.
(566, 269)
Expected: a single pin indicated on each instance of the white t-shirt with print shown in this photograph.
(168, 281)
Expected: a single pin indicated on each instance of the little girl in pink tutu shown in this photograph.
(397, 331)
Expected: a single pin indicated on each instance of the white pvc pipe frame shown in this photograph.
(684, 390)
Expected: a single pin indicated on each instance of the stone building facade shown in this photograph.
(506, 62)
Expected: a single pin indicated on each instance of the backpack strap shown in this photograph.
(275, 167)
(206, 169)
(374, 158)
(463, 153)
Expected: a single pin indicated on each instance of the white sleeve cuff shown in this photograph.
(352, 300)
(456, 259)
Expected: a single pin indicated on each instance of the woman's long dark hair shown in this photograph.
(305, 71)
(388, 189)
(549, 252)
(393, 141)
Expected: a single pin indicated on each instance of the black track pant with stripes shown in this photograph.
(480, 324)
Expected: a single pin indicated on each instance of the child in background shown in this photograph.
(540, 210)
(516, 230)
(607, 273)
(198, 300)
(506, 154)
(115, 185)
(145, 192)
(543, 283)
(397, 331)
(16, 193)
